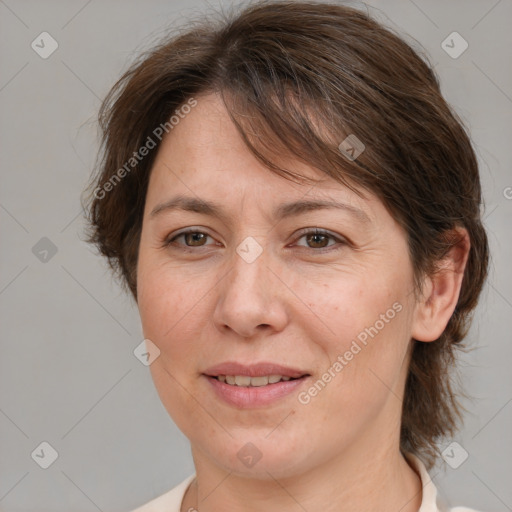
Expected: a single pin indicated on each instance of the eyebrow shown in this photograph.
(285, 210)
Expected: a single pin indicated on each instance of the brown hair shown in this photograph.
(300, 77)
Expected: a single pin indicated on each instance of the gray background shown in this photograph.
(68, 375)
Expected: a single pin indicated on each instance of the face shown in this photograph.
(325, 291)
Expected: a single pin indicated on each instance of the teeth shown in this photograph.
(242, 380)
(246, 381)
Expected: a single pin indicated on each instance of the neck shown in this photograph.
(378, 478)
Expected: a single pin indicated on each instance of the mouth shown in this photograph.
(259, 374)
(257, 385)
(246, 381)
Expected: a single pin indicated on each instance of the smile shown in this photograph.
(245, 381)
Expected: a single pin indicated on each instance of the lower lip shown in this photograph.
(245, 397)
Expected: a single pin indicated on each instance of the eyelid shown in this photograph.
(341, 241)
(319, 231)
(168, 241)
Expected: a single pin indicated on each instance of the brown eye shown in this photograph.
(318, 241)
(194, 238)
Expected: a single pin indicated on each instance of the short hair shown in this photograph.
(298, 78)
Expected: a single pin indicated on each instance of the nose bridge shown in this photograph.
(247, 297)
(249, 265)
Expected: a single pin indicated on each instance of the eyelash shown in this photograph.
(168, 242)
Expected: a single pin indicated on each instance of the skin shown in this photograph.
(293, 305)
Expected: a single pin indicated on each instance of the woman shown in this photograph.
(296, 211)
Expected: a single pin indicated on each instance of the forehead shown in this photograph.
(205, 156)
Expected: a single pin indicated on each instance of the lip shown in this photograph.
(254, 370)
(243, 397)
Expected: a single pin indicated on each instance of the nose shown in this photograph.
(251, 298)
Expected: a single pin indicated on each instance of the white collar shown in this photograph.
(429, 491)
(430, 502)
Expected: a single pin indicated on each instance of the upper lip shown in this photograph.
(253, 370)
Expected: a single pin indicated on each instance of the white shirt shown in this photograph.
(430, 502)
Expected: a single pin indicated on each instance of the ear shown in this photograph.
(441, 290)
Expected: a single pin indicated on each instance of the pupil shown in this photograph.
(196, 237)
(316, 237)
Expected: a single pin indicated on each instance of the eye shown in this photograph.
(318, 239)
(191, 237)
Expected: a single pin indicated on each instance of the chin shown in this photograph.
(253, 456)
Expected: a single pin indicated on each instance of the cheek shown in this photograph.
(171, 310)
(161, 291)
(362, 331)
(172, 307)
(331, 307)
(373, 370)
(343, 306)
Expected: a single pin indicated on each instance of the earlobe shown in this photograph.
(441, 290)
